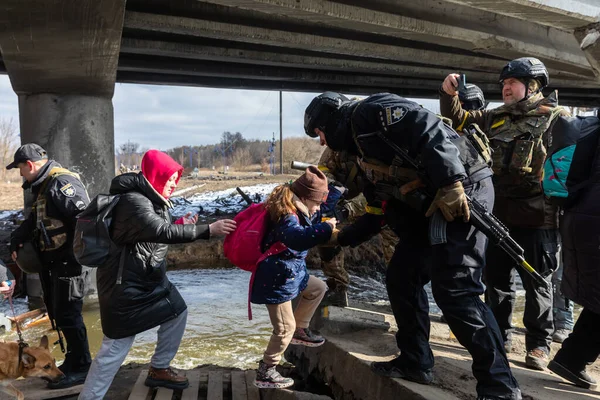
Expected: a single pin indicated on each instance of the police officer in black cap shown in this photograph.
(43, 243)
(436, 242)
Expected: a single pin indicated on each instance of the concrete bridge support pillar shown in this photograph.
(61, 57)
(76, 130)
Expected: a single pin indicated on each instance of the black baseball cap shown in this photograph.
(29, 151)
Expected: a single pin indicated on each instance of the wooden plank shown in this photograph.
(140, 391)
(215, 385)
(38, 389)
(251, 390)
(238, 385)
(191, 393)
(164, 394)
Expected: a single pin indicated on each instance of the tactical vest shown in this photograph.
(50, 233)
(341, 166)
(518, 149)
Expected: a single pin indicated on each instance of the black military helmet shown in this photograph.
(472, 97)
(526, 68)
(319, 110)
(28, 259)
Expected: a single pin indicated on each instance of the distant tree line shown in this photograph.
(232, 150)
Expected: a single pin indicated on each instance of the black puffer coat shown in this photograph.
(140, 296)
(580, 230)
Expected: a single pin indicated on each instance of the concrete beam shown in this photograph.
(326, 45)
(343, 16)
(563, 14)
(589, 39)
(304, 73)
(286, 58)
(61, 46)
(282, 38)
(456, 14)
(583, 97)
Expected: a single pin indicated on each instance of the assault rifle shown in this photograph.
(481, 218)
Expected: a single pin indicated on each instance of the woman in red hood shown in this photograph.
(133, 289)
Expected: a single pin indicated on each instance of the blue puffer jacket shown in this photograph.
(283, 276)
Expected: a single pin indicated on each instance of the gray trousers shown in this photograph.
(112, 353)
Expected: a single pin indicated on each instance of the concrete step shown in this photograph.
(343, 362)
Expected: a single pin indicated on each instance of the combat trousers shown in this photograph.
(64, 303)
(455, 271)
(541, 251)
(332, 264)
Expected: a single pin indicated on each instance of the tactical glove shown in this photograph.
(452, 201)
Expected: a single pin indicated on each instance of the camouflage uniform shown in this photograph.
(341, 169)
(518, 135)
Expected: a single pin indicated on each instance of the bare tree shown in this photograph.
(9, 139)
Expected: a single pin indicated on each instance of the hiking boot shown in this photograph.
(536, 359)
(167, 378)
(391, 369)
(579, 378)
(336, 296)
(304, 337)
(267, 377)
(560, 335)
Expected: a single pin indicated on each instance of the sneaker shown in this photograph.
(267, 377)
(391, 369)
(560, 335)
(167, 378)
(536, 359)
(304, 337)
(579, 378)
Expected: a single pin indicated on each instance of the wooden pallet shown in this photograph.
(212, 385)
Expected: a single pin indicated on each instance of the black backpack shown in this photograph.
(92, 244)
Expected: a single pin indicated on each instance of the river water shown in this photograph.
(218, 331)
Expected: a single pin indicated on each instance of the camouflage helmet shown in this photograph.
(28, 259)
(320, 108)
(526, 68)
(472, 97)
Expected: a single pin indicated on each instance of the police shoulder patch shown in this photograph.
(68, 190)
(394, 114)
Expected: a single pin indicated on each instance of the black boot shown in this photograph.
(394, 369)
(77, 360)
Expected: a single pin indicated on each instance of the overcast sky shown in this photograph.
(164, 117)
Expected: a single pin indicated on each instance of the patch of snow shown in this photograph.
(227, 201)
(9, 214)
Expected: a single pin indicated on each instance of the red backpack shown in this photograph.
(243, 247)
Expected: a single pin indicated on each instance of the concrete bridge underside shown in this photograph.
(66, 54)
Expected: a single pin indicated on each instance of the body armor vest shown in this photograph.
(518, 148)
(50, 233)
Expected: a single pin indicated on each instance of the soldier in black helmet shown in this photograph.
(518, 135)
(43, 244)
(436, 242)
